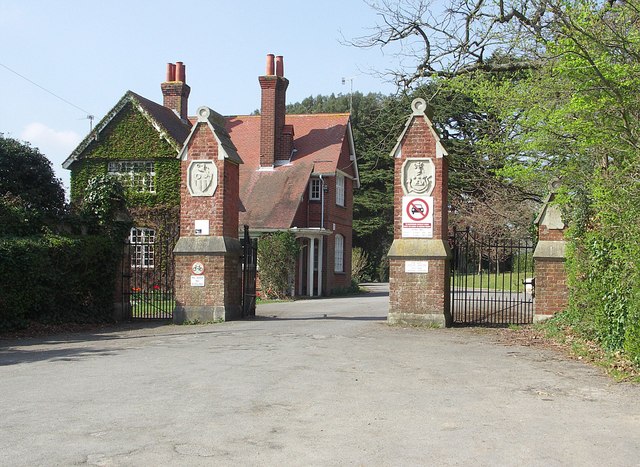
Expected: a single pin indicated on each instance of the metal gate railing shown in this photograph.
(249, 273)
(491, 280)
(148, 275)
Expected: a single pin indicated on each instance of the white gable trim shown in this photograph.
(352, 154)
(102, 124)
(215, 123)
(418, 106)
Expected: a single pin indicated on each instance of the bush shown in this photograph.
(603, 273)
(16, 219)
(359, 264)
(53, 279)
(277, 253)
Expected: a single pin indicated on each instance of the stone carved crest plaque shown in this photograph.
(418, 176)
(202, 178)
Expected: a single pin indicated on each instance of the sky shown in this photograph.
(90, 53)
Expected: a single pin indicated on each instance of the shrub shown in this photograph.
(359, 264)
(277, 253)
(53, 279)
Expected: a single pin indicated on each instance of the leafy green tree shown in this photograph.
(31, 198)
(570, 110)
(27, 173)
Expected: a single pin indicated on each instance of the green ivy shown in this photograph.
(602, 263)
(130, 136)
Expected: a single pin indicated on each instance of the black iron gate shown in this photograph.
(491, 280)
(249, 273)
(148, 275)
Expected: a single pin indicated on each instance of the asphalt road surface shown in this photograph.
(313, 382)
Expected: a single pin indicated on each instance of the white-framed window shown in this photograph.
(315, 189)
(139, 176)
(338, 264)
(340, 189)
(142, 242)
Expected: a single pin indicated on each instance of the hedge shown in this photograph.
(52, 279)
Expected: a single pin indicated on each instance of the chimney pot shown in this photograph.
(280, 66)
(171, 72)
(270, 68)
(180, 72)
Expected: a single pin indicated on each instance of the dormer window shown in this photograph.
(315, 189)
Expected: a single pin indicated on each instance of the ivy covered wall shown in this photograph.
(130, 136)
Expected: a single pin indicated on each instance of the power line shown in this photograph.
(89, 114)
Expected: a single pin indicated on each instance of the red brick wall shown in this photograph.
(274, 144)
(419, 293)
(222, 282)
(222, 208)
(545, 233)
(267, 120)
(419, 141)
(222, 288)
(176, 97)
(551, 290)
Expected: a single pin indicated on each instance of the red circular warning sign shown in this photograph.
(417, 209)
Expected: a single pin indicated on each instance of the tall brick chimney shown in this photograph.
(276, 138)
(175, 90)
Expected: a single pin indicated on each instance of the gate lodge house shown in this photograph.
(298, 172)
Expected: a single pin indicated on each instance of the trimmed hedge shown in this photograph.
(52, 279)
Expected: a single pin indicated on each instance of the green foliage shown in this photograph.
(130, 137)
(523, 263)
(577, 116)
(277, 253)
(103, 199)
(54, 279)
(16, 219)
(359, 264)
(26, 173)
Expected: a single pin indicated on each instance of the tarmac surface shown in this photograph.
(312, 382)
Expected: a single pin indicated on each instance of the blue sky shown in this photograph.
(91, 53)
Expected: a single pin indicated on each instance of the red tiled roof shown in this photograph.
(316, 136)
(271, 198)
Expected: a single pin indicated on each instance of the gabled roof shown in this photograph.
(271, 197)
(164, 120)
(216, 124)
(316, 136)
(419, 108)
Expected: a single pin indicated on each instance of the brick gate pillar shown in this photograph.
(551, 291)
(419, 256)
(207, 254)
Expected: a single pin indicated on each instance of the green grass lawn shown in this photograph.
(154, 307)
(503, 281)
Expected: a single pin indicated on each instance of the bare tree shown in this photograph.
(463, 36)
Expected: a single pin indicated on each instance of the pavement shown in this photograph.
(313, 382)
